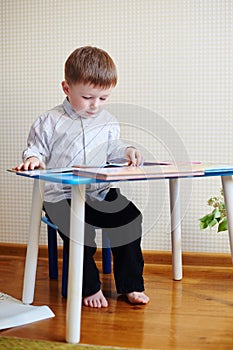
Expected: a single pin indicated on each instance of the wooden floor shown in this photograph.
(195, 313)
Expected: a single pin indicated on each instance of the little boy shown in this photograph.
(79, 132)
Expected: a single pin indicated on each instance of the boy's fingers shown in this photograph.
(135, 158)
(42, 166)
(18, 167)
(30, 164)
(139, 159)
(36, 164)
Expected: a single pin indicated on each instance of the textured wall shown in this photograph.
(174, 97)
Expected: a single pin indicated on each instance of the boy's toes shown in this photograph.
(137, 298)
(96, 300)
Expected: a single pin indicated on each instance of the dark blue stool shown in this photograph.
(53, 256)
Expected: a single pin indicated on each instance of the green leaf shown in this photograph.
(223, 225)
(205, 218)
(216, 213)
(203, 225)
(208, 218)
(213, 222)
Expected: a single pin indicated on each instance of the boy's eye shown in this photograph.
(88, 98)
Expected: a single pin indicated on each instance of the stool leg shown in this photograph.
(52, 253)
(106, 253)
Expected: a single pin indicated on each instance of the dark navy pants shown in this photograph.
(122, 221)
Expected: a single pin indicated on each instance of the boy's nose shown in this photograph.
(95, 103)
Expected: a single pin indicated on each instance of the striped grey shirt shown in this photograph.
(61, 138)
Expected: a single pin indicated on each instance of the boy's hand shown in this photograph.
(134, 156)
(30, 164)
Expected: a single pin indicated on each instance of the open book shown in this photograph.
(148, 170)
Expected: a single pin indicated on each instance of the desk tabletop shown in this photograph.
(94, 175)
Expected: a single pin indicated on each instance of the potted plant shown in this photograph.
(217, 216)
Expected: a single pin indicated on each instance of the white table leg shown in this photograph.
(74, 297)
(33, 242)
(175, 228)
(227, 183)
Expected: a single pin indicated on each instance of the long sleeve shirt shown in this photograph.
(61, 138)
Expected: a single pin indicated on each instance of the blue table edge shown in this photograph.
(71, 179)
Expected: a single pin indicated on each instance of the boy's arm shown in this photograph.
(38, 140)
(119, 150)
(37, 150)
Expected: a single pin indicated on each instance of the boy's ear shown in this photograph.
(65, 87)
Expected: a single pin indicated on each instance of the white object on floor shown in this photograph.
(14, 313)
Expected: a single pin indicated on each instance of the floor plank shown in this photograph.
(195, 313)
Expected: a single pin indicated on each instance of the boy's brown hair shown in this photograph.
(91, 65)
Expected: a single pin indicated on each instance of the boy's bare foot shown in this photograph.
(137, 298)
(96, 300)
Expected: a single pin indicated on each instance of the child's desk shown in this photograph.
(74, 298)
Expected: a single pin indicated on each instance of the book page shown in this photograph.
(14, 313)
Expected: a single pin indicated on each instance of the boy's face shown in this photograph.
(86, 100)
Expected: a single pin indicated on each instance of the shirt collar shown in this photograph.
(69, 109)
